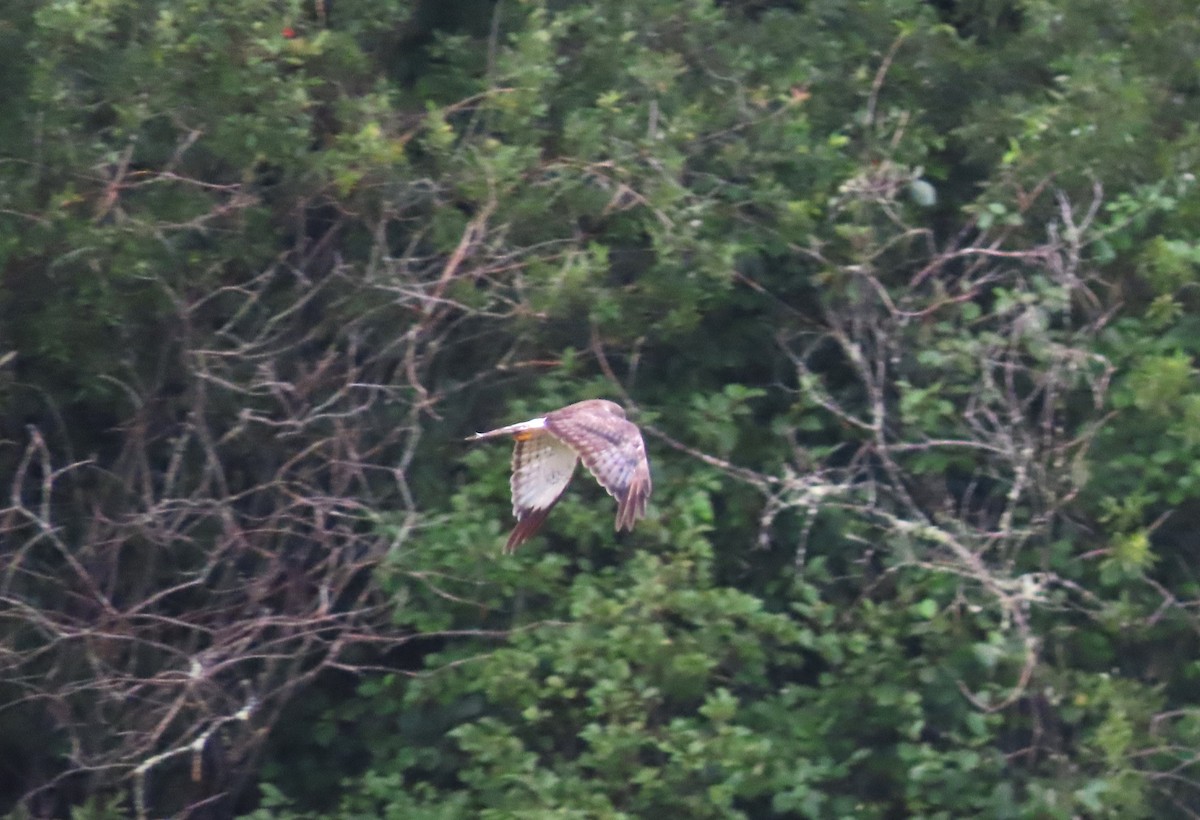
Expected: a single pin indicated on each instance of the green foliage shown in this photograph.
(903, 294)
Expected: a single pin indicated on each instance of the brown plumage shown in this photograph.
(548, 448)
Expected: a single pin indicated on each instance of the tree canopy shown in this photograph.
(902, 294)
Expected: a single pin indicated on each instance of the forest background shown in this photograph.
(904, 295)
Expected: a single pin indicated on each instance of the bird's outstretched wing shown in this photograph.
(613, 451)
(542, 466)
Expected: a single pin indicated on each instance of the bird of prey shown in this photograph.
(548, 448)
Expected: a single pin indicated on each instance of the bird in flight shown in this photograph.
(548, 448)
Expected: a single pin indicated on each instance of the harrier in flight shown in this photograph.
(548, 448)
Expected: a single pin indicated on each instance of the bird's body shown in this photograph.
(548, 448)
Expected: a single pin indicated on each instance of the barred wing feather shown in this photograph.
(542, 467)
(613, 451)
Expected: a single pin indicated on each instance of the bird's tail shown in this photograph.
(510, 430)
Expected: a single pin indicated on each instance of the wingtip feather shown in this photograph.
(525, 529)
(633, 505)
